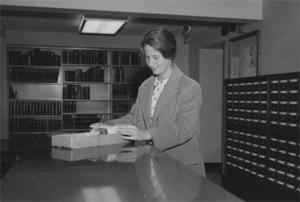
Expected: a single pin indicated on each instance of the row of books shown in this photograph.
(125, 91)
(26, 74)
(79, 121)
(38, 56)
(34, 125)
(34, 56)
(118, 74)
(34, 108)
(69, 106)
(85, 57)
(130, 74)
(20, 141)
(126, 58)
(75, 91)
(53, 108)
(122, 106)
(94, 74)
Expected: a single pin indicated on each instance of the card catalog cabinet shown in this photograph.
(262, 135)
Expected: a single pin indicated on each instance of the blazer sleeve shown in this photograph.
(170, 133)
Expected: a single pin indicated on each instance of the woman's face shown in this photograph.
(159, 65)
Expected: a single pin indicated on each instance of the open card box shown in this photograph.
(103, 128)
(85, 139)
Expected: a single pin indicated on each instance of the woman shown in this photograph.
(167, 107)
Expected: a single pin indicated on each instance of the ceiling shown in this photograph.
(58, 20)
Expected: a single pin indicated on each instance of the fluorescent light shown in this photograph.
(100, 26)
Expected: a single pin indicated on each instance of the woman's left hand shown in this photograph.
(131, 132)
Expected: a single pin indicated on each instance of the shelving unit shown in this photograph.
(34, 76)
(86, 87)
(262, 135)
(68, 88)
(126, 77)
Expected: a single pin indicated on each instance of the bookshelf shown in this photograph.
(126, 76)
(68, 88)
(34, 76)
(86, 87)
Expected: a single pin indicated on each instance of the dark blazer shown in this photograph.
(175, 124)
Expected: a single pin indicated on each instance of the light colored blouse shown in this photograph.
(158, 88)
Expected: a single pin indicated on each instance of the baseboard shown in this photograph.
(213, 167)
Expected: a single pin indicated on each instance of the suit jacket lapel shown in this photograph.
(169, 91)
(146, 96)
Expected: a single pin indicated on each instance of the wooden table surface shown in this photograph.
(112, 173)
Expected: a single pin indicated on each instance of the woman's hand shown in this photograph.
(131, 132)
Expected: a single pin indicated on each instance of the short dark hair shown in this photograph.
(161, 39)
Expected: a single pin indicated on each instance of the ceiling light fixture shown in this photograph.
(106, 26)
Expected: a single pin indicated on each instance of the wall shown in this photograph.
(279, 41)
(210, 75)
(69, 40)
(280, 36)
(236, 9)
